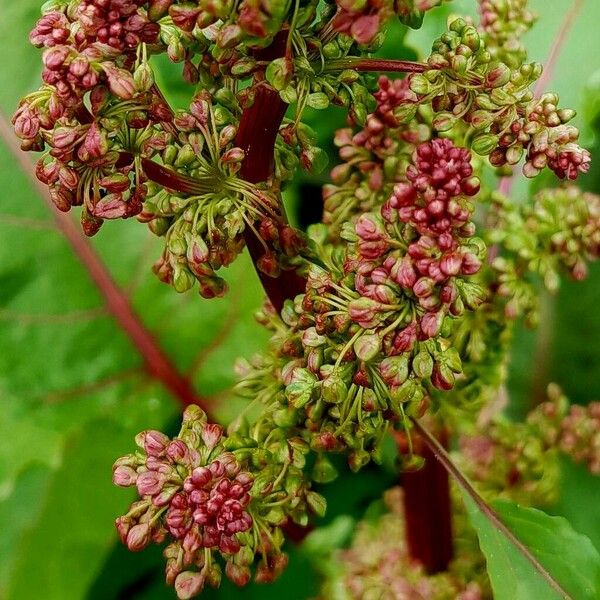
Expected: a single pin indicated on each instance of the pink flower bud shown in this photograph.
(431, 323)
(238, 574)
(189, 584)
(153, 442)
(211, 434)
(120, 81)
(149, 483)
(124, 476)
(138, 537)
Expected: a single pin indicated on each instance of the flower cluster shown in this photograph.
(519, 461)
(95, 110)
(465, 83)
(375, 158)
(361, 346)
(572, 429)
(503, 23)
(204, 225)
(558, 231)
(211, 495)
(377, 564)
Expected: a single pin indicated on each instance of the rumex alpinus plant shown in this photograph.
(390, 319)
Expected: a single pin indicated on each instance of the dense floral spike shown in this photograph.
(210, 495)
(375, 158)
(504, 22)
(559, 231)
(368, 338)
(465, 83)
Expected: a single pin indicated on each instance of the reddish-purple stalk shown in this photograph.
(157, 362)
(427, 508)
(377, 65)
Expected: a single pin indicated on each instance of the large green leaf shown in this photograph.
(568, 556)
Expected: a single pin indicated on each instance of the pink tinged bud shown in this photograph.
(442, 378)
(405, 339)
(189, 584)
(470, 264)
(124, 476)
(451, 264)
(153, 442)
(62, 198)
(201, 476)
(368, 228)
(211, 434)
(177, 451)
(95, 144)
(120, 81)
(365, 28)
(123, 525)
(138, 537)
(431, 323)
(424, 287)
(238, 574)
(404, 273)
(55, 57)
(111, 207)
(149, 483)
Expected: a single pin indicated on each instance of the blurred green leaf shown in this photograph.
(512, 576)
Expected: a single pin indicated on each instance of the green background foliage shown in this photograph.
(73, 391)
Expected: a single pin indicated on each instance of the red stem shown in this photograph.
(256, 135)
(427, 511)
(157, 362)
(381, 65)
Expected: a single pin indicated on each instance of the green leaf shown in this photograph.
(567, 556)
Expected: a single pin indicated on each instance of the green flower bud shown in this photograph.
(143, 77)
(323, 471)
(183, 280)
(367, 347)
(444, 121)
(279, 72)
(422, 365)
(498, 76)
(333, 389)
(419, 85)
(317, 503)
(484, 143)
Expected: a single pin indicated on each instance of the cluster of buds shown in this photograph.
(361, 346)
(465, 83)
(572, 429)
(210, 495)
(559, 231)
(519, 461)
(95, 111)
(504, 22)
(91, 155)
(119, 24)
(378, 565)
(375, 158)
(542, 133)
(204, 226)
(510, 460)
(412, 260)
(228, 23)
